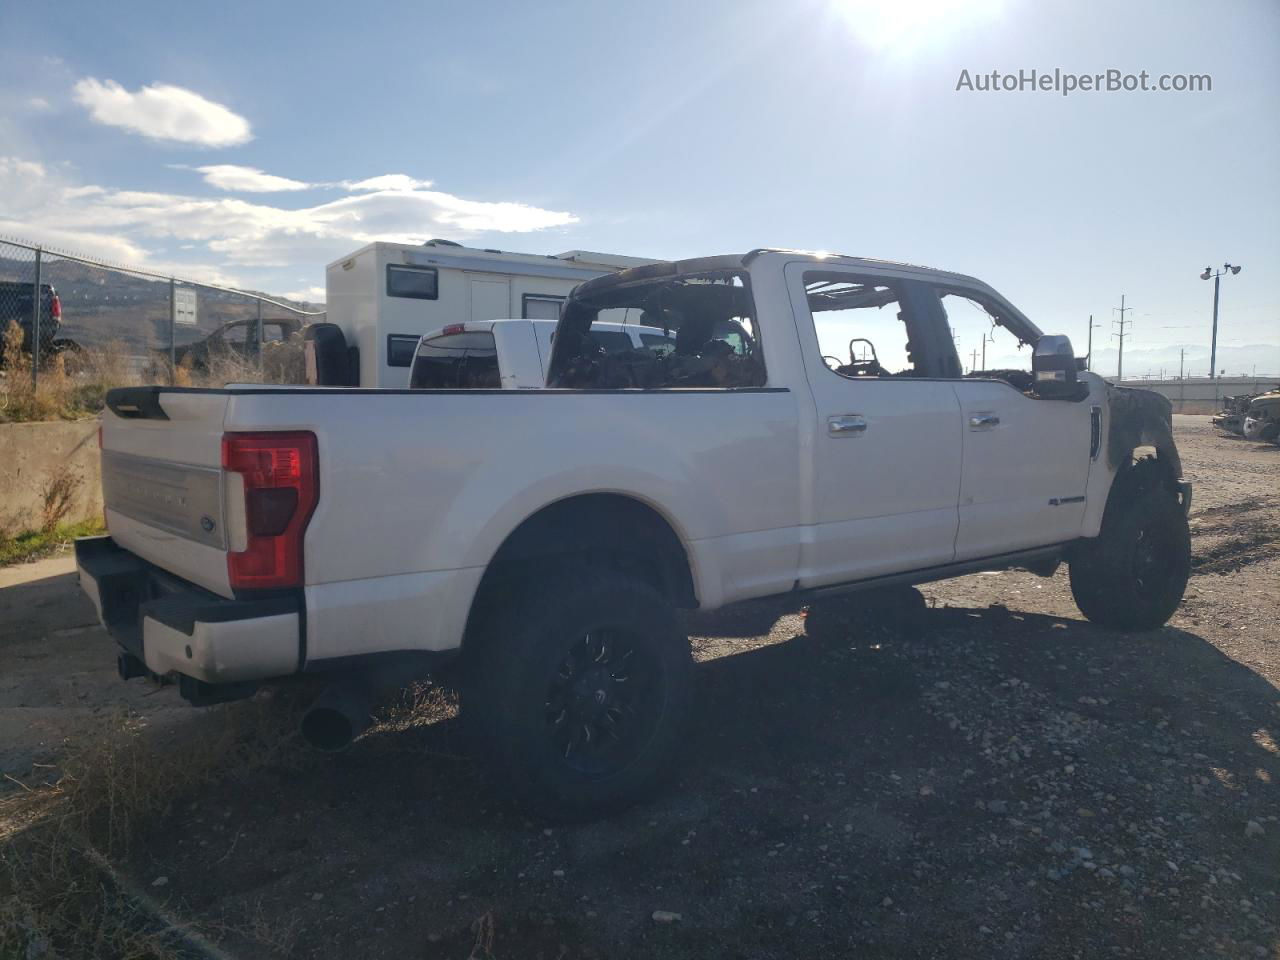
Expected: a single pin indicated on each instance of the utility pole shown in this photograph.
(1088, 354)
(1182, 356)
(1121, 335)
(986, 338)
(1209, 274)
(974, 361)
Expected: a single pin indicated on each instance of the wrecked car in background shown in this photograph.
(1231, 417)
(1262, 419)
(541, 541)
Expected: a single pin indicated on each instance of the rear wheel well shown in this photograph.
(600, 530)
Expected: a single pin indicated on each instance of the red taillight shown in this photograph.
(55, 309)
(281, 488)
(453, 328)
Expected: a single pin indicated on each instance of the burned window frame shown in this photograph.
(931, 351)
(1003, 315)
(588, 300)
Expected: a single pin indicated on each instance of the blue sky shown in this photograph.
(670, 130)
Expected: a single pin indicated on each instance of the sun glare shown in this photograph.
(905, 24)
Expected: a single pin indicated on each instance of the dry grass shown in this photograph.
(73, 385)
(60, 894)
(35, 544)
(57, 498)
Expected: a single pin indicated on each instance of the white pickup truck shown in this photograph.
(789, 444)
(512, 354)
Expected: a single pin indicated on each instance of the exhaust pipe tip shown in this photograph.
(334, 721)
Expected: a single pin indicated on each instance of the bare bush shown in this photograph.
(58, 497)
(11, 352)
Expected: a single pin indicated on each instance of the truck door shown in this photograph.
(1026, 460)
(886, 440)
(490, 299)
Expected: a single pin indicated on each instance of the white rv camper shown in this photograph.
(385, 296)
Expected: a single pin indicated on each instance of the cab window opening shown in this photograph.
(708, 335)
(871, 328)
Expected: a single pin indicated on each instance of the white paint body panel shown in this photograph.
(1015, 469)
(881, 500)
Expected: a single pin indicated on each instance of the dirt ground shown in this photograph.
(1010, 781)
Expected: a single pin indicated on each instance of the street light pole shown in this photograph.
(1216, 277)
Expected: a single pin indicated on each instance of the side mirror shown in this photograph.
(1054, 369)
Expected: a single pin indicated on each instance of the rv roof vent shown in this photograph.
(491, 250)
(437, 242)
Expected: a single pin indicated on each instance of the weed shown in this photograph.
(36, 544)
(73, 385)
(60, 895)
(58, 497)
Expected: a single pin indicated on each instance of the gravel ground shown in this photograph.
(1007, 780)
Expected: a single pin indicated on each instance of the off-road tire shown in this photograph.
(514, 684)
(1133, 574)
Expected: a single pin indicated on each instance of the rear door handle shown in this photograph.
(847, 425)
(983, 421)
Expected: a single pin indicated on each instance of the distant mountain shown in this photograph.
(1262, 359)
(100, 305)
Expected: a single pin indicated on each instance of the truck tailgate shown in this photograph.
(162, 481)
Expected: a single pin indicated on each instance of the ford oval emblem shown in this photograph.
(207, 524)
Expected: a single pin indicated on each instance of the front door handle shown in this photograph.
(847, 425)
(983, 421)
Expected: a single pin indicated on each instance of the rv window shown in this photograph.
(461, 361)
(400, 349)
(540, 307)
(414, 282)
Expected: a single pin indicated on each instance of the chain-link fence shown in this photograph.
(67, 316)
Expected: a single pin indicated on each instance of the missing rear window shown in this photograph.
(703, 327)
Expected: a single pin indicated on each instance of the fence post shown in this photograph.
(173, 346)
(261, 339)
(37, 302)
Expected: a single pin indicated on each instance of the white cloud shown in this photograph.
(229, 176)
(18, 176)
(102, 246)
(163, 112)
(39, 104)
(388, 181)
(239, 234)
